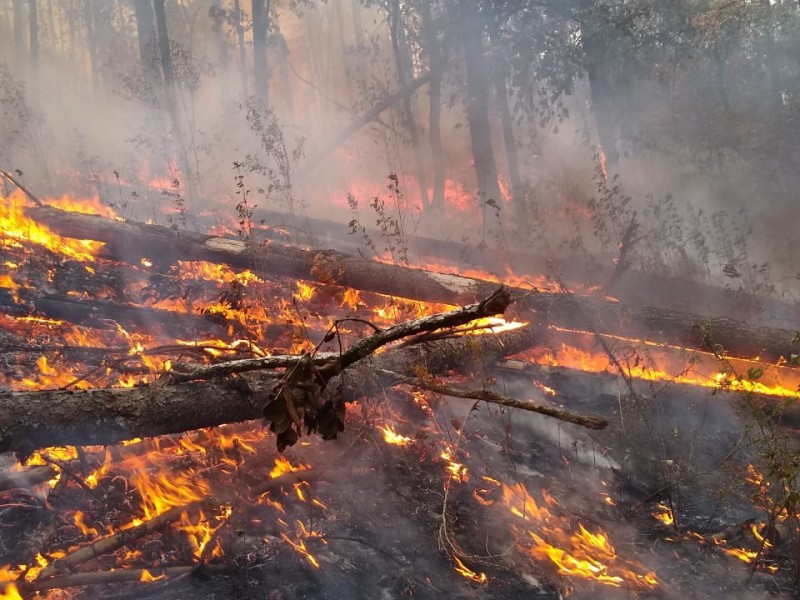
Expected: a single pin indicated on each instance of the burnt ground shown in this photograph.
(377, 532)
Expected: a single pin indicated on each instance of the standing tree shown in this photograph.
(470, 21)
(260, 64)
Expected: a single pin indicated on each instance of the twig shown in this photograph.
(590, 422)
(113, 542)
(26, 191)
(117, 576)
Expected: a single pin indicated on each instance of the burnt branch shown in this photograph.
(588, 421)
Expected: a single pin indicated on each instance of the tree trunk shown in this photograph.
(33, 18)
(478, 102)
(237, 18)
(146, 29)
(97, 313)
(19, 33)
(91, 42)
(601, 95)
(132, 241)
(499, 74)
(436, 61)
(367, 118)
(171, 96)
(771, 56)
(222, 58)
(31, 420)
(402, 67)
(260, 66)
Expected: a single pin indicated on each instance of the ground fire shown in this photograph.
(399, 299)
(194, 499)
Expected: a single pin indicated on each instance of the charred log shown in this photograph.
(30, 420)
(127, 240)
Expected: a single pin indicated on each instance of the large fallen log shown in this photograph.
(633, 287)
(98, 313)
(30, 420)
(131, 241)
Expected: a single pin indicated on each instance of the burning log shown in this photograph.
(30, 420)
(131, 241)
(91, 313)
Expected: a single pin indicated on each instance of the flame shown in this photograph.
(465, 571)
(582, 554)
(660, 362)
(82, 527)
(148, 577)
(304, 291)
(283, 466)
(10, 592)
(456, 469)
(19, 230)
(390, 436)
(165, 491)
(664, 515)
(351, 299)
(300, 547)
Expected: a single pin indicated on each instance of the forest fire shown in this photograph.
(178, 485)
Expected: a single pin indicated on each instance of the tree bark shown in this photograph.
(33, 17)
(30, 420)
(436, 61)
(237, 18)
(171, 96)
(19, 32)
(146, 29)
(499, 73)
(402, 67)
(478, 102)
(260, 66)
(91, 42)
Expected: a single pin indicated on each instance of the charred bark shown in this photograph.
(131, 241)
(30, 420)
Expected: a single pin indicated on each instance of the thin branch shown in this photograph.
(588, 421)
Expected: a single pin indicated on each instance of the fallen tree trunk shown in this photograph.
(31, 420)
(630, 286)
(126, 240)
(93, 313)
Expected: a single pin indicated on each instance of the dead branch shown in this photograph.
(590, 422)
(114, 541)
(13, 181)
(117, 576)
